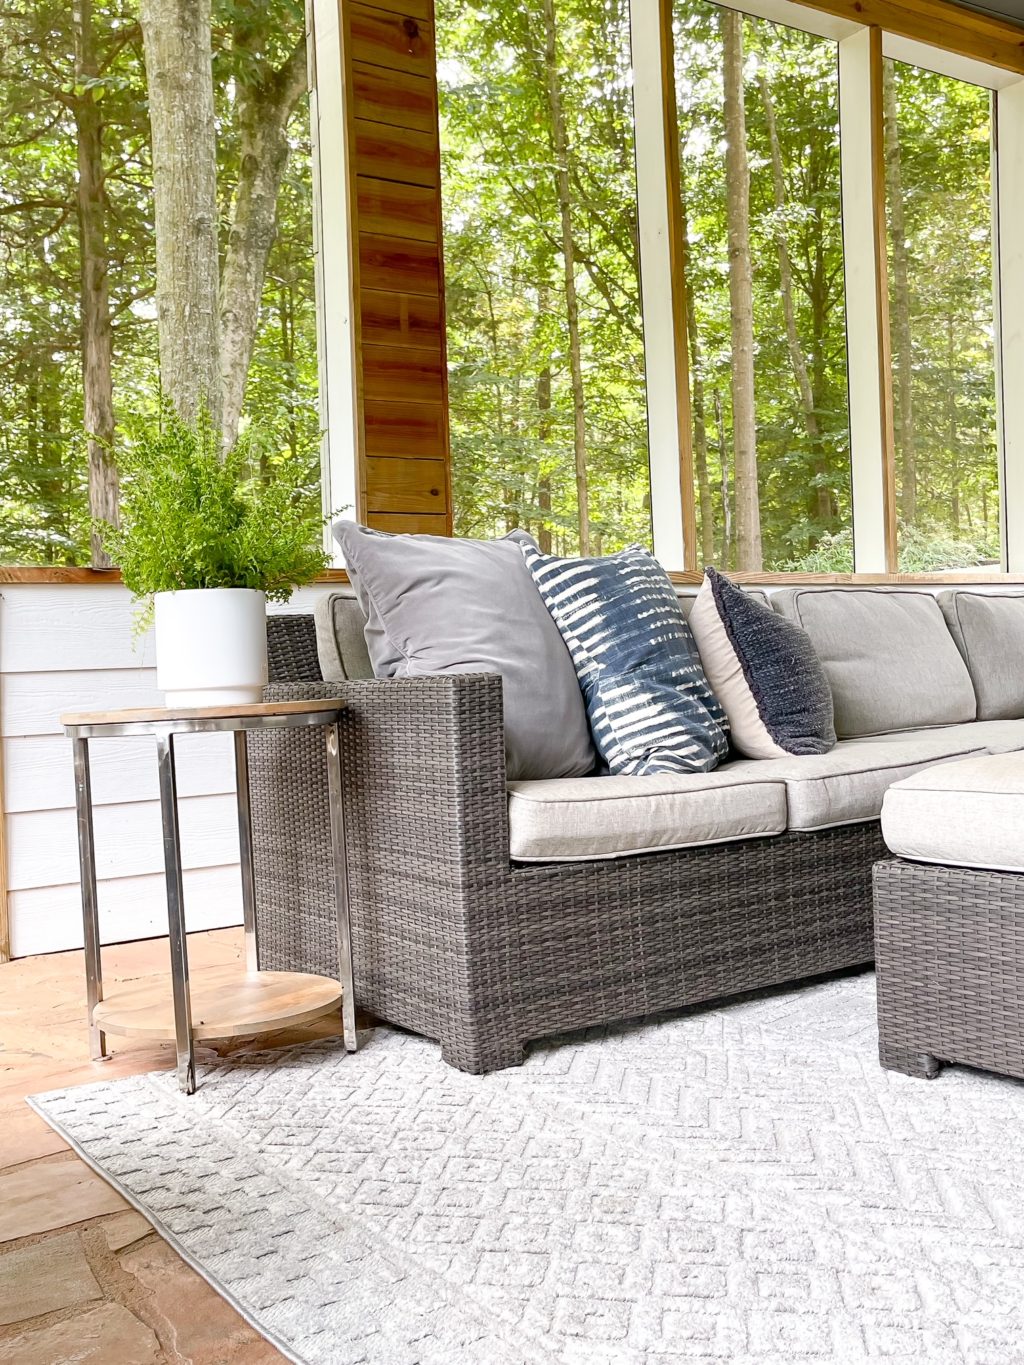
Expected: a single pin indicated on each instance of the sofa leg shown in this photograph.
(478, 1057)
(920, 1064)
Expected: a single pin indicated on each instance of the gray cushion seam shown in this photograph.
(885, 767)
(967, 650)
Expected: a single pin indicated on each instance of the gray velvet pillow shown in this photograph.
(440, 605)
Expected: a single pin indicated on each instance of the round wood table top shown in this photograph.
(271, 714)
(227, 1002)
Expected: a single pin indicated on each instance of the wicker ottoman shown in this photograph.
(949, 919)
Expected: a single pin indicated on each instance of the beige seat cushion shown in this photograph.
(995, 736)
(583, 818)
(967, 814)
(846, 785)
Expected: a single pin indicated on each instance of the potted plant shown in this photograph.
(204, 542)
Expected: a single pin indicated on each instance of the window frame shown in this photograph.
(938, 37)
(935, 34)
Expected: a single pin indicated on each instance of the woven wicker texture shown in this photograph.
(950, 963)
(454, 941)
(291, 649)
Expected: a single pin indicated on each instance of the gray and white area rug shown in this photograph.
(742, 1184)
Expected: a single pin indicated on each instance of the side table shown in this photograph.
(255, 1001)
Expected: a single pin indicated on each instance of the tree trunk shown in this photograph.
(97, 335)
(700, 428)
(820, 496)
(544, 480)
(264, 111)
(905, 428)
(723, 456)
(741, 299)
(177, 45)
(796, 350)
(952, 427)
(560, 146)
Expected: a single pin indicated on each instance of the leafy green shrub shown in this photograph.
(832, 554)
(193, 517)
(923, 549)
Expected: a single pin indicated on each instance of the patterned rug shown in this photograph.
(742, 1184)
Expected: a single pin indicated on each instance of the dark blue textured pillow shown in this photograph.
(648, 702)
(764, 671)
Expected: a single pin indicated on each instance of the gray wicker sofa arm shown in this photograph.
(423, 762)
(426, 821)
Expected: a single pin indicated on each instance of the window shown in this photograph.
(939, 211)
(77, 242)
(545, 338)
(758, 116)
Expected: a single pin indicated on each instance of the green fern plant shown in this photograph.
(193, 516)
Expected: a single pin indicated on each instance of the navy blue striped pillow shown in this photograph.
(648, 702)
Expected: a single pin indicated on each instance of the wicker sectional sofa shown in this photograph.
(487, 914)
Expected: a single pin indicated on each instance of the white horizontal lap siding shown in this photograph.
(74, 647)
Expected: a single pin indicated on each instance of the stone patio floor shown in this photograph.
(84, 1277)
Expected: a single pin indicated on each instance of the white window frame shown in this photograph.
(864, 272)
(333, 247)
(663, 302)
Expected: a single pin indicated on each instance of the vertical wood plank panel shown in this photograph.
(393, 97)
(391, 319)
(403, 155)
(397, 210)
(390, 40)
(404, 481)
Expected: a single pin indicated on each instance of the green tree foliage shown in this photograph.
(509, 348)
(44, 516)
(517, 369)
(803, 448)
(508, 343)
(947, 469)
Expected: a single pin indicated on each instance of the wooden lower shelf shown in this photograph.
(226, 1003)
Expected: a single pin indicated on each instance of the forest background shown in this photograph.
(545, 330)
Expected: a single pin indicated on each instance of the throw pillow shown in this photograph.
(764, 671)
(434, 604)
(648, 701)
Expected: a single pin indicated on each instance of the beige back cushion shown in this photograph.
(339, 637)
(888, 656)
(341, 644)
(989, 630)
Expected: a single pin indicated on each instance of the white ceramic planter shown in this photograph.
(211, 646)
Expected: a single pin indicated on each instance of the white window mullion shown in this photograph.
(1008, 258)
(862, 270)
(333, 263)
(661, 295)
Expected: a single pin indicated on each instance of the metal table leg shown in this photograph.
(176, 913)
(245, 852)
(90, 911)
(348, 995)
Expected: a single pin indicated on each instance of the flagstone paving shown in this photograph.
(83, 1276)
